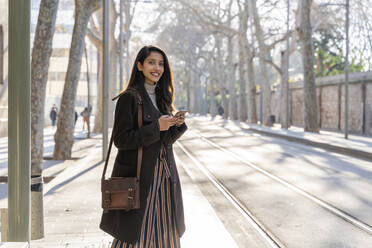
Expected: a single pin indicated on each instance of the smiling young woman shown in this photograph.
(159, 222)
(152, 68)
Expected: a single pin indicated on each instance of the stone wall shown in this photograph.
(331, 103)
(368, 109)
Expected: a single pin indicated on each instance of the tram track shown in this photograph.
(268, 236)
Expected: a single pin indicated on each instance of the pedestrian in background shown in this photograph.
(53, 115)
(220, 110)
(159, 223)
(76, 117)
(85, 115)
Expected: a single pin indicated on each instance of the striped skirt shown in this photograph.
(158, 226)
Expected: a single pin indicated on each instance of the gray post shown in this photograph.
(106, 78)
(287, 72)
(19, 121)
(347, 72)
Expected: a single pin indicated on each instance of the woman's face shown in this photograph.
(152, 68)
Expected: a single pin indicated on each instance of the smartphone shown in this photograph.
(180, 113)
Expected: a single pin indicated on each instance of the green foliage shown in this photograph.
(329, 55)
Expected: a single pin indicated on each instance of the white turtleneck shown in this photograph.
(151, 91)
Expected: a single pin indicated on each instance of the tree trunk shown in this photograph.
(310, 102)
(196, 90)
(214, 89)
(192, 103)
(65, 126)
(283, 89)
(188, 92)
(41, 53)
(198, 93)
(243, 17)
(233, 105)
(265, 85)
(252, 110)
(204, 98)
(213, 101)
(98, 117)
(242, 90)
(221, 77)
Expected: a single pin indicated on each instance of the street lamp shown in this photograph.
(347, 67)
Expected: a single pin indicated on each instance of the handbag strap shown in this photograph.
(139, 157)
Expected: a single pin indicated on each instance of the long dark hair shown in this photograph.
(164, 87)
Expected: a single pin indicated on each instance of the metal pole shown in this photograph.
(347, 72)
(19, 121)
(121, 40)
(287, 72)
(106, 75)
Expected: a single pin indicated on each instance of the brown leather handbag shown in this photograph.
(122, 193)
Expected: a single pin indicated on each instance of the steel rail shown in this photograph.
(329, 207)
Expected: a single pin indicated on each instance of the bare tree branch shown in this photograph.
(94, 38)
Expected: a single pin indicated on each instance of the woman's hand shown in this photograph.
(180, 120)
(165, 122)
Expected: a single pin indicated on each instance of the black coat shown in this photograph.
(126, 225)
(53, 114)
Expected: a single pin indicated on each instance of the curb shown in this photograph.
(14, 245)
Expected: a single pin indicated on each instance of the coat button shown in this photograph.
(148, 116)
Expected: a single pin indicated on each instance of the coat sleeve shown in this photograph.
(175, 133)
(126, 134)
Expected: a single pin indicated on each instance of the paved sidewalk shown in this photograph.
(72, 210)
(356, 145)
(72, 201)
(51, 168)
